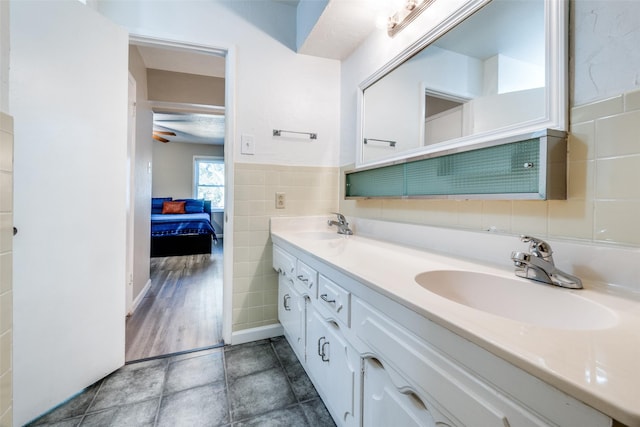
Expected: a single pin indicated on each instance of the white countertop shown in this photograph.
(597, 367)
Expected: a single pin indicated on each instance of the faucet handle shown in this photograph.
(341, 217)
(538, 247)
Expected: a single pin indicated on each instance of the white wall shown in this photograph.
(142, 174)
(173, 167)
(277, 88)
(4, 56)
(6, 208)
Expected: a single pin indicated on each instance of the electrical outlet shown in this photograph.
(280, 200)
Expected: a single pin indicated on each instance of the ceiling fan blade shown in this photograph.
(159, 138)
(164, 132)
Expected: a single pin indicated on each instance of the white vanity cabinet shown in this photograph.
(383, 404)
(292, 315)
(334, 367)
(375, 362)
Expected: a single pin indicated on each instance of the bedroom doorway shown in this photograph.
(185, 303)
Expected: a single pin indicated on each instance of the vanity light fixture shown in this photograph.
(406, 15)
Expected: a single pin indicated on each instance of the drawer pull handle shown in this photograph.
(325, 353)
(320, 346)
(285, 302)
(302, 278)
(326, 299)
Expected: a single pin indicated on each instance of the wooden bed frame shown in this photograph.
(181, 245)
(188, 244)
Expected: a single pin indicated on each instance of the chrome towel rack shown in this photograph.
(278, 132)
(385, 141)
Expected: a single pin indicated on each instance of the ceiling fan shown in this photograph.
(157, 137)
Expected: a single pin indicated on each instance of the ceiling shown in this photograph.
(342, 27)
(190, 124)
(195, 128)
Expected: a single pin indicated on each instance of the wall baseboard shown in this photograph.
(255, 334)
(140, 297)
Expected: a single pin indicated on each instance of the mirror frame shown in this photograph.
(556, 87)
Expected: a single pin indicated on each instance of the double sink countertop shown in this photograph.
(595, 361)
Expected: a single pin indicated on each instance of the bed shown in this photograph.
(181, 227)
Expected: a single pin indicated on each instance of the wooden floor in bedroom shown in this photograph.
(182, 309)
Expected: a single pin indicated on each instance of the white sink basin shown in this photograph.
(528, 302)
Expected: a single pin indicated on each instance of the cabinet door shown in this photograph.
(384, 405)
(333, 365)
(291, 313)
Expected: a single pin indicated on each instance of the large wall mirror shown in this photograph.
(499, 70)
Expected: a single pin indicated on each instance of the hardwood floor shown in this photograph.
(182, 310)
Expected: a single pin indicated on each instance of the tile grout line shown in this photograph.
(299, 403)
(226, 385)
(93, 399)
(284, 371)
(164, 383)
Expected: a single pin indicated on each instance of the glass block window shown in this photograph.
(502, 169)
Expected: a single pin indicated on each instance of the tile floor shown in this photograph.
(254, 384)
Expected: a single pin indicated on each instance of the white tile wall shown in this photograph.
(603, 201)
(309, 191)
(6, 272)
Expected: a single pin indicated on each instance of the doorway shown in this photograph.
(178, 304)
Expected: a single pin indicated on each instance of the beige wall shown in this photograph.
(173, 167)
(170, 86)
(6, 270)
(308, 191)
(603, 202)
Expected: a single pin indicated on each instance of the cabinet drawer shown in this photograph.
(435, 379)
(334, 299)
(307, 283)
(283, 262)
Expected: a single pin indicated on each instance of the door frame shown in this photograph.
(131, 161)
(229, 52)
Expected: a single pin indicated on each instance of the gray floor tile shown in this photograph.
(69, 422)
(249, 358)
(317, 414)
(141, 414)
(300, 383)
(284, 351)
(75, 406)
(194, 372)
(200, 406)
(193, 354)
(258, 393)
(288, 417)
(132, 383)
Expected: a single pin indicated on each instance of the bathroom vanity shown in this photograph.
(384, 346)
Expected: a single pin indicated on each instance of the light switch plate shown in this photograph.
(247, 145)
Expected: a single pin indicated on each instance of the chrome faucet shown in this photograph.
(538, 265)
(343, 225)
